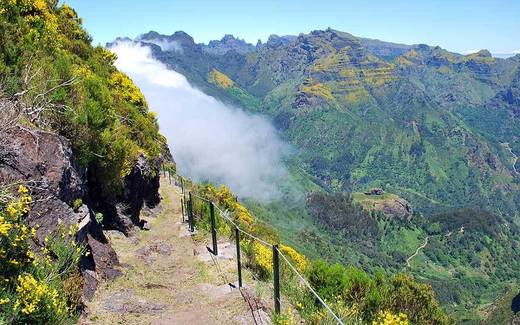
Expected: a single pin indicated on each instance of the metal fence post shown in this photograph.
(276, 275)
(213, 227)
(190, 214)
(182, 208)
(239, 267)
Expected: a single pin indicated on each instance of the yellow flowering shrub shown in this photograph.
(244, 216)
(31, 282)
(300, 261)
(389, 318)
(286, 318)
(124, 86)
(260, 256)
(263, 257)
(40, 19)
(14, 234)
(220, 79)
(225, 198)
(32, 295)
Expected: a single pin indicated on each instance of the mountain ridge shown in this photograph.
(422, 87)
(423, 123)
(386, 49)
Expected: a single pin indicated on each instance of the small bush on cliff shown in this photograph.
(36, 286)
(379, 298)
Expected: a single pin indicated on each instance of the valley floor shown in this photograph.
(170, 279)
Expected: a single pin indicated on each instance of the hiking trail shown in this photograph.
(168, 278)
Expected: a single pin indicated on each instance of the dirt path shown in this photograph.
(417, 251)
(167, 278)
(515, 157)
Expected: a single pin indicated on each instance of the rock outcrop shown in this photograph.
(140, 192)
(390, 204)
(375, 191)
(44, 162)
(396, 207)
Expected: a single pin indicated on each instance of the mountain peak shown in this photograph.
(275, 40)
(182, 37)
(484, 53)
(228, 43)
(228, 38)
(150, 35)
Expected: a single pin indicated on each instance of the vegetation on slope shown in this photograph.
(430, 126)
(59, 82)
(356, 296)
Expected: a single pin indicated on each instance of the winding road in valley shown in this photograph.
(417, 251)
(448, 234)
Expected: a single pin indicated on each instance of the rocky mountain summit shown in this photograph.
(228, 43)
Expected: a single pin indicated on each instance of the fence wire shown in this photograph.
(225, 214)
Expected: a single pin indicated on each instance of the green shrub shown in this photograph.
(373, 294)
(76, 204)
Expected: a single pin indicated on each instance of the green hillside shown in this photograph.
(436, 129)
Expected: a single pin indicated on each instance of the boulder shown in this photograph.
(43, 161)
(375, 191)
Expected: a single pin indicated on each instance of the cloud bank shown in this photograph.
(165, 45)
(210, 141)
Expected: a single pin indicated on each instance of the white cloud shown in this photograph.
(209, 140)
(165, 45)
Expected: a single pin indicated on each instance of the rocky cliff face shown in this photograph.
(226, 44)
(141, 191)
(44, 162)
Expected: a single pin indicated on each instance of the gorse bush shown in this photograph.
(388, 318)
(63, 83)
(259, 256)
(36, 285)
(377, 294)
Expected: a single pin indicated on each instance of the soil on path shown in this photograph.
(168, 278)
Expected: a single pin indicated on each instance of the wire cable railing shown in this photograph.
(225, 214)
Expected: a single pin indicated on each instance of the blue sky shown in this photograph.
(457, 25)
